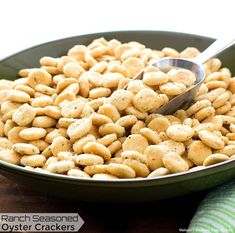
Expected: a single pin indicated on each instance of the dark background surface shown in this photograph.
(166, 216)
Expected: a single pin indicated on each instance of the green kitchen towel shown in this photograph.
(216, 213)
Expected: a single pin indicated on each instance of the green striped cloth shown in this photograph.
(216, 213)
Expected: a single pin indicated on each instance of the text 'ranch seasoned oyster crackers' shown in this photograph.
(72, 115)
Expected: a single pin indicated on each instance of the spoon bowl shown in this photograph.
(185, 99)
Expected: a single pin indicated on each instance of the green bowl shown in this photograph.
(125, 190)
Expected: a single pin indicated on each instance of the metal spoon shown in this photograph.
(185, 99)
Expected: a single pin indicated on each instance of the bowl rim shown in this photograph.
(170, 177)
(103, 33)
(25, 171)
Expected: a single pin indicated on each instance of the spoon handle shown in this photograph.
(214, 49)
